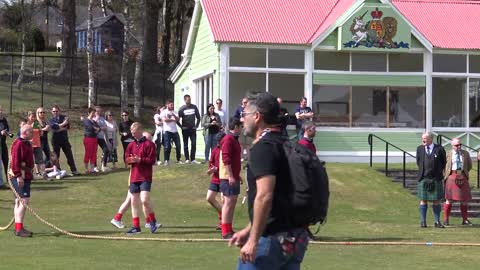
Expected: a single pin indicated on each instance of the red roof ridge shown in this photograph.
(326, 17)
(465, 2)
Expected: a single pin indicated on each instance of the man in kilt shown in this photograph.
(431, 160)
(457, 187)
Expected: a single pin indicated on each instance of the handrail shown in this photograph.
(405, 153)
(440, 138)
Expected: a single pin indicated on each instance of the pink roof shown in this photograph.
(271, 21)
(446, 24)
(450, 24)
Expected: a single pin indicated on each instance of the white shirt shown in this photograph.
(455, 156)
(221, 113)
(172, 125)
(111, 132)
(429, 148)
(158, 128)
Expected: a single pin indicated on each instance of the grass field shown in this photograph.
(365, 206)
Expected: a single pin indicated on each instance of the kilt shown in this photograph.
(436, 194)
(457, 193)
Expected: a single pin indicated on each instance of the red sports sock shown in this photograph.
(230, 228)
(463, 209)
(18, 226)
(151, 216)
(136, 222)
(224, 228)
(118, 217)
(447, 208)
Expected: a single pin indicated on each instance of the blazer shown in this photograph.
(467, 163)
(439, 164)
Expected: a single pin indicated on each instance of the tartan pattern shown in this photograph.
(435, 195)
(457, 193)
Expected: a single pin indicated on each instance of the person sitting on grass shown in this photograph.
(53, 169)
(214, 187)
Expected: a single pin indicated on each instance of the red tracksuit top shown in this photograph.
(22, 152)
(145, 149)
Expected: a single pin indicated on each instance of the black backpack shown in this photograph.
(310, 189)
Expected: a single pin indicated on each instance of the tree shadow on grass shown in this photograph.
(361, 239)
(46, 188)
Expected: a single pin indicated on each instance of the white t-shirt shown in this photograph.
(222, 116)
(172, 125)
(111, 132)
(158, 129)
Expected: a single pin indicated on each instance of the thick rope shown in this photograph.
(323, 243)
(6, 227)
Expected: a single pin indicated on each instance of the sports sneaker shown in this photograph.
(106, 169)
(134, 231)
(95, 170)
(166, 163)
(153, 226)
(196, 162)
(117, 223)
(23, 233)
(228, 235)
(75, 173)
(187, 161)
(180, 162)
(147, 225)
(159, 162)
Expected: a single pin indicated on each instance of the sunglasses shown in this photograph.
(124, 114)
(458, 145)
(54, 111)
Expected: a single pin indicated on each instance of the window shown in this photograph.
(332, 61)
(369, 62)
(331, 105)
(474, 61)
(405, 62)
(203, 93)
(369, 106)
(290, 87)
(241, 83)
(406, 107)
(474, 102)
(449, 63)
(448, 108)
(248, 57)
(286, 58)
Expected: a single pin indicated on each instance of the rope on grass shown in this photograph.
(323, 243)
(6, 227)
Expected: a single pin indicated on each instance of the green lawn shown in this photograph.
(365, 206)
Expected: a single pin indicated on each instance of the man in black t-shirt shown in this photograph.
(269, 241)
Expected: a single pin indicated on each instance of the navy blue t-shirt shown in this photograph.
(301, 110)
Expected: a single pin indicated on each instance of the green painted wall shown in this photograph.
(331, 40)
(358, 141)
(205, 59)
(368, 80)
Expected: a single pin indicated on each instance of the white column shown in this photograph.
(308, 92)
(428, 67)
(223, 75)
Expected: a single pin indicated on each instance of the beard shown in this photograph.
(250, 131)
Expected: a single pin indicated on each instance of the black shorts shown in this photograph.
(38, 155)
(229, 190)
(140, 186)
(24, 192)
(214, 187)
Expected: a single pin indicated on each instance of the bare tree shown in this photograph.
(26, 21)
(166, 37)
(138, 79)
(150, 46)
(91, 69)
(104, 8)
(125, 57)
(68, 35)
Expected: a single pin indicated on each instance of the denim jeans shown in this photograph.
(270, 254)
(210, 143)
(168, 137)
(1, 174)
(192, 134)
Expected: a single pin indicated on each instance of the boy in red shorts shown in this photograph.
(140, 154)
(214, 187)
